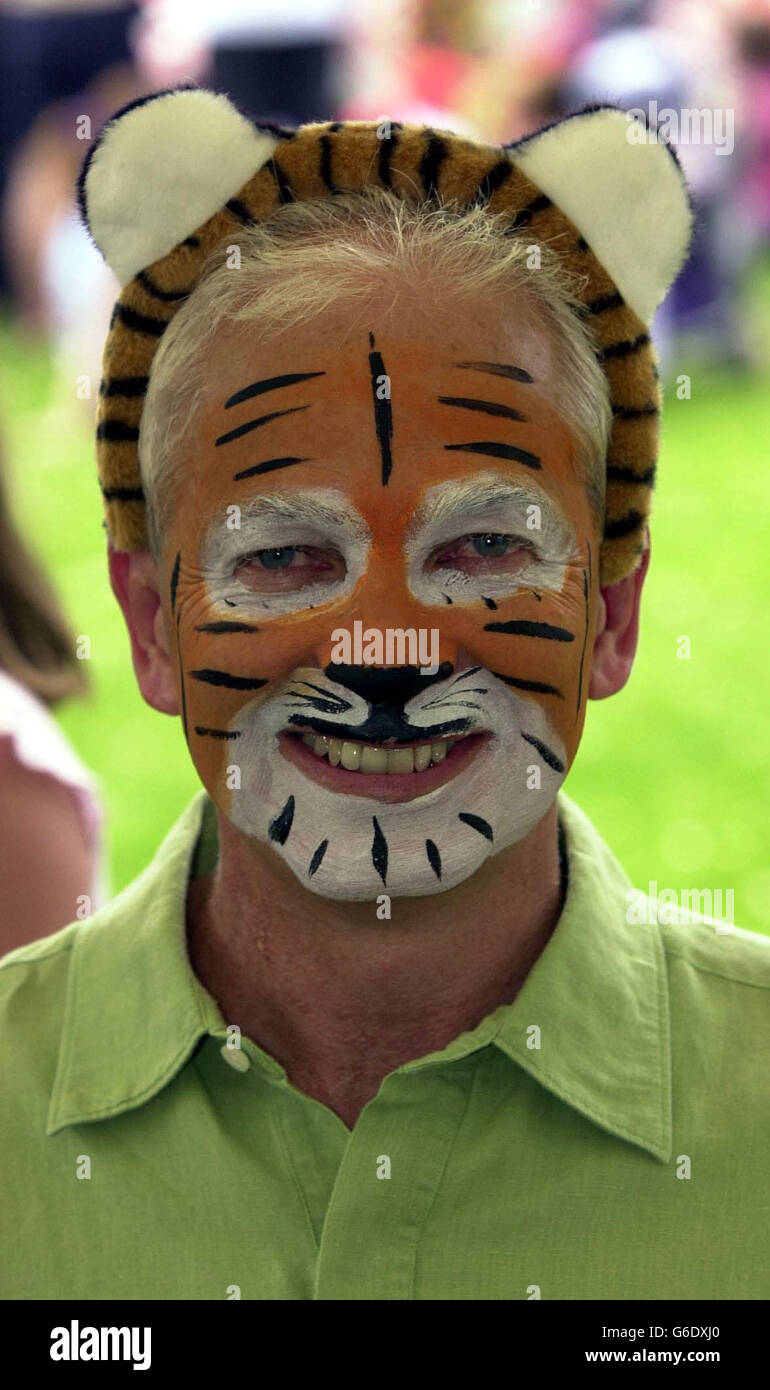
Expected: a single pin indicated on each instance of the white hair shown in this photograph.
(315, 254)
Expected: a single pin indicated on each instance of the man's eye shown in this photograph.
(276, 559)
(483, 552)
(490, 544)
(282, 568)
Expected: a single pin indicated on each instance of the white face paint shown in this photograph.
(323, 519)
(487, 504)
(507, 691)
(376, 846)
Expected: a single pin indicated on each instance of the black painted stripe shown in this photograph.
(124, 386)
(524, 627)
(618, 474)
(270, 383)
(327, 694)
(269, 466)
(490, 602)
(167, 296)
(140, 323)
(586, 586)
(379, 851)
(122, 494)
(181, 682)
(318, 854)
(434, 858)
(624, 525)
(280, 826)
(256, 424)
(431, 163)
(175, 579)
(222, 625)
(498, 451)
(545, 752)
(633, 412)
(499, 369)
(383, 415)
(477, 823)
(217, 733)
(538, 687)
(505, 412)
(625, 348)
(212, 677)
(327, 706)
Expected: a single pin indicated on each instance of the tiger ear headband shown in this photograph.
(175, 174)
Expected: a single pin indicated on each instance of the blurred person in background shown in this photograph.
(678, 56)
(51, 867)
(62, 292)
(49, 51)
(277, 61)
(753, 47)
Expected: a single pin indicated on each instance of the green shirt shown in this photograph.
(605, 1136)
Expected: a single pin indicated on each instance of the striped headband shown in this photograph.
(173, 175)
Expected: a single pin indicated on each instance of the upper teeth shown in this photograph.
(370, 757)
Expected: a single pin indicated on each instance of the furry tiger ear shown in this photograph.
(160, 168)
(625, 192)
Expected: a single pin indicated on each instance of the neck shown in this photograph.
(340, 998)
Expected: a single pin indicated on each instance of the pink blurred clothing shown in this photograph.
(39, 744)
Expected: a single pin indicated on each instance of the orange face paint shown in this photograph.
(405, 482)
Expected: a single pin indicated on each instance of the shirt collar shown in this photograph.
(135, 1009)
(599, 995)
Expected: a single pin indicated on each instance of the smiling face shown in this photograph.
(406, 474)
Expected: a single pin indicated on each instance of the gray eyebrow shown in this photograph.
(477, 496)
(297, 506)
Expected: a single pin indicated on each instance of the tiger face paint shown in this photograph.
(405, 478)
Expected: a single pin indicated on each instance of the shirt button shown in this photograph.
(236, 1057)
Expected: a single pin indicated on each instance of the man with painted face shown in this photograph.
(379, 1012)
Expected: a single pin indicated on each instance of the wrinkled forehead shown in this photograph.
(381, 412)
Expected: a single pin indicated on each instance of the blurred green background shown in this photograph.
(673, 771)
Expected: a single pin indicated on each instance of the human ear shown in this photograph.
(135, 584)
(616, 641)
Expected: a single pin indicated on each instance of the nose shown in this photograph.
(392, 686)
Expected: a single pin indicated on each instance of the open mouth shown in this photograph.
(385, 772)
(379, 757)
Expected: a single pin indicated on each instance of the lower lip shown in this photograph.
(381, 786)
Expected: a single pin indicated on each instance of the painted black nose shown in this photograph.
(394, 686)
